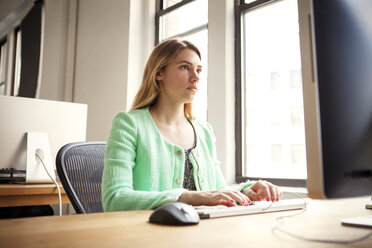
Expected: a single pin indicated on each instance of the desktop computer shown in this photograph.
(336, 51)
(33, 130)
(336, 56)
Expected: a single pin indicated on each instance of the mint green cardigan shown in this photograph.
(144, 171)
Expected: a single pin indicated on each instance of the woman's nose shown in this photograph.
(195, 76)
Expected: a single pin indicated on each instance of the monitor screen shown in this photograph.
(336, 50)
(63, 122)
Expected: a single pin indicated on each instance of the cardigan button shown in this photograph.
(179, 152)
(179, 180)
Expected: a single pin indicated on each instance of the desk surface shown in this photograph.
(30, 194)
(132, 229)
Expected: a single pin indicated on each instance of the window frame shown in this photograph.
(240, 8)
(16, 57)
(3, 60)
(160, 11)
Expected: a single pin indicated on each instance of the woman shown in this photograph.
(159, 153)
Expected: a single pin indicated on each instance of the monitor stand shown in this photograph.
(38, 146)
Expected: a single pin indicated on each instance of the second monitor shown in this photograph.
(62, 122)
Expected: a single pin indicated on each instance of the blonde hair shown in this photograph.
(160, 57)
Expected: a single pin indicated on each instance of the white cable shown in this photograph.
(59, 191)
(279, 228)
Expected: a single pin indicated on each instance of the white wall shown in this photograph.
(221, 82)
(101, 62)
(53, 72)
(141, 43)
(94, 53)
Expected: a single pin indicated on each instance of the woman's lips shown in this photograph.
(193, 88)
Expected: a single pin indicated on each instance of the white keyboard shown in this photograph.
(362, 221)
(258, 207)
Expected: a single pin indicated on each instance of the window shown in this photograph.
(2, 66)
(20, 46)
(17, 61)
(187, 19)
(270, 136)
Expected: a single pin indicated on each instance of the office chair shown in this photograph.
(80, 168)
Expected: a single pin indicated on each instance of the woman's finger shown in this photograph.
(279, 193)
(219, 197)
(273, 191)
(263, 190)
(251, 194)
(225, 203)
(231, 196)
(241, 198)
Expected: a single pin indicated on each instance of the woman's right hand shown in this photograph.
(215, 197)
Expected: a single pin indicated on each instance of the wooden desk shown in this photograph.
(132, 229)
(30, 195)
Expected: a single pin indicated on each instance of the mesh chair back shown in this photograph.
(80, 168)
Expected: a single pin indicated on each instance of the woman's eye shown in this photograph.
(184, 67)
(198, 71)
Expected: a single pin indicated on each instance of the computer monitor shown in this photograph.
(336, 51)
(41, 122)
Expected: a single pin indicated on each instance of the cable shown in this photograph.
(280, 224)
(54, 181)
(266, 208)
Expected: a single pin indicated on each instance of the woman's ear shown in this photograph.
(159, 76)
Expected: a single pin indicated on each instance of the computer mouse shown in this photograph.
(176, 214)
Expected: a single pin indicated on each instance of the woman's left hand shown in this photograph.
(263, 190)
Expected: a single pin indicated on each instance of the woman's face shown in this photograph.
(179, 80)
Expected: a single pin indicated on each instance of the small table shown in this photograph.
(15, 195)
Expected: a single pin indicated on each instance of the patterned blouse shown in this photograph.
(188, 181)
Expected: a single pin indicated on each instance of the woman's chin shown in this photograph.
(190, 97)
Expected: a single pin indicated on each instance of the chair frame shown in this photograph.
(68, 187)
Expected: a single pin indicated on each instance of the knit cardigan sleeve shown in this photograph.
(117, 182)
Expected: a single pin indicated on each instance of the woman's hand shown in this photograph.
(215, 197)
(263, 190)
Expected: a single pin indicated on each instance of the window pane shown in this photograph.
(17, 63)
(296, 79)
(2, 68)
(276, 153)
(273, 102)
(298, 155)
(169, 3)
(183, 19)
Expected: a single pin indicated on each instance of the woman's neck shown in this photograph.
(172, 114)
